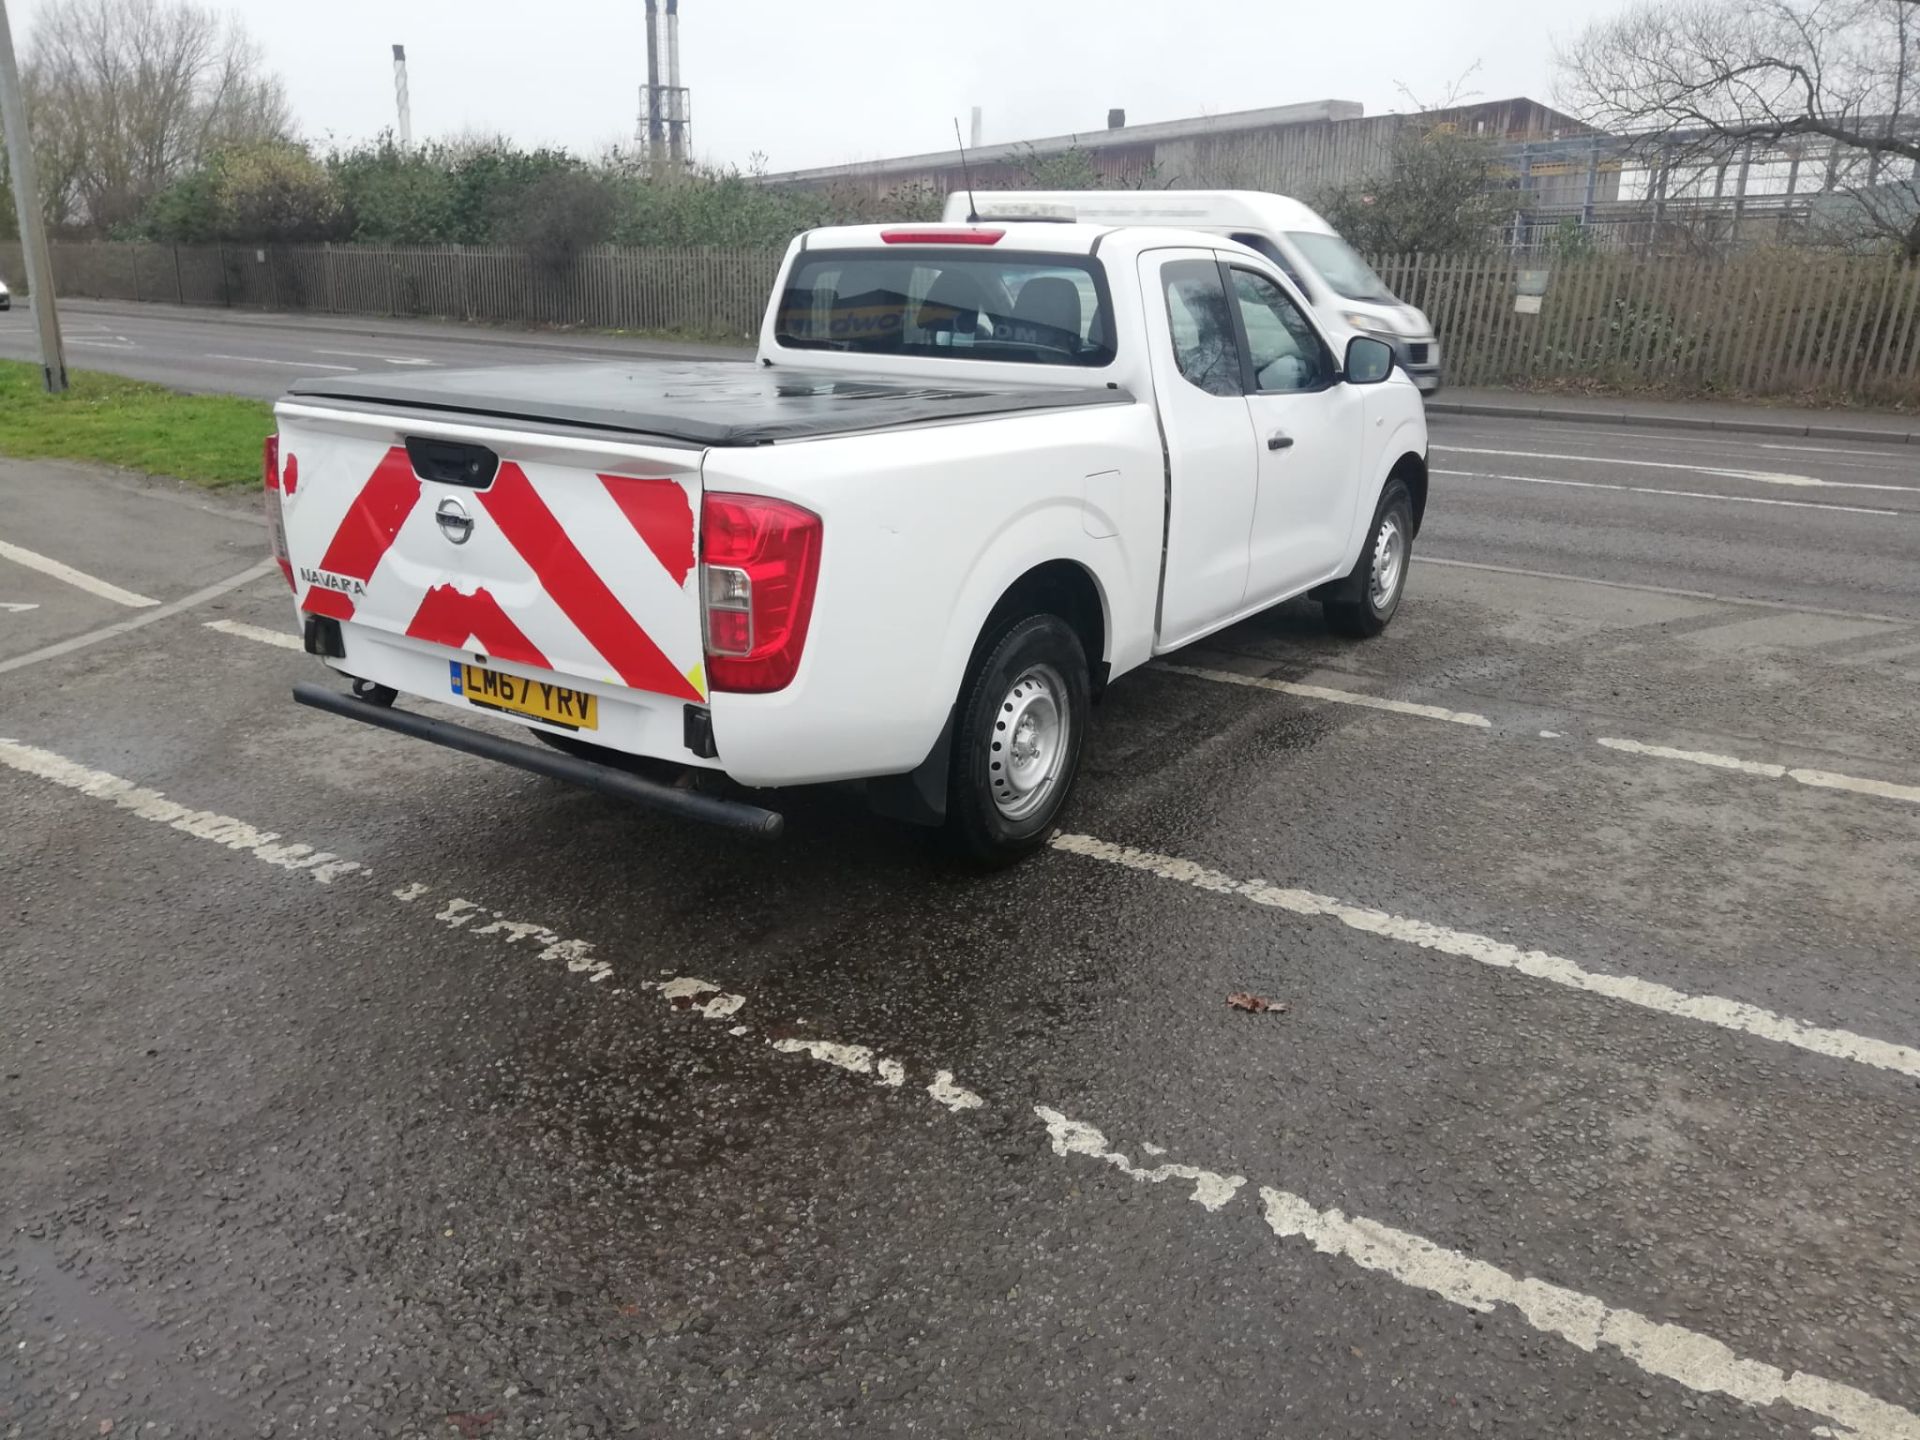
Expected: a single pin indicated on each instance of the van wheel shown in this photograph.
(1023, 718)
(1363, 604)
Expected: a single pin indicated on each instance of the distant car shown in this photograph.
(6, 298)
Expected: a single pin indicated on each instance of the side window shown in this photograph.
(1267, 248)
(1204, 345)
(1287, 351)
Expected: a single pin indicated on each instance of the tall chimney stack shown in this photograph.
(1116, 119)
(401, 98)
(656, 133)
(676, 96)
(979, 127)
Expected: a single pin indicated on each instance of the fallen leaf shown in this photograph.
(1255, 1004)
(629, 1311)
(470, 1425)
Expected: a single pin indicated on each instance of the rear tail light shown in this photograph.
(760, 561)
(276, 523)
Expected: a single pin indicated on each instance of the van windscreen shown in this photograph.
(949, 305)
(1340, 265)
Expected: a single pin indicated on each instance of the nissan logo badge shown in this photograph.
(455, 523)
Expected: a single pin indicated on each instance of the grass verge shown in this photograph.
(211, 440)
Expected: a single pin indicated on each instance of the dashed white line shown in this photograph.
(144, 618)
(1563, 578)
(289, 364)
(1672, 1352)
(151, 805)
(1817, 779)
(1715, 1010)
(243, 631)
(79, 579)
(1687, 1357)
(1676, 494)
(374, 355)
(1695, 757)
(1333, 696)
(1761, 477)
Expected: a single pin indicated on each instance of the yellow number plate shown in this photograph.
(535, 699)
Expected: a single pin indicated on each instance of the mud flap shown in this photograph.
(920, 796)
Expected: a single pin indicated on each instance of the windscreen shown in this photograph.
(1341, 267)
(948, 304)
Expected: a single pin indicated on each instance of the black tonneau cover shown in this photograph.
(710, 402)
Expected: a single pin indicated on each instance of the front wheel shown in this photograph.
(1023, 716)
(1363, 604)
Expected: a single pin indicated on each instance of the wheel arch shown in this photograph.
(1065, 588)
(1411, 470)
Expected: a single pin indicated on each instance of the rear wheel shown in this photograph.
(1023, 716)
(1363, 604)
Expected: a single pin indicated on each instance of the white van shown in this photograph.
(1341, 287)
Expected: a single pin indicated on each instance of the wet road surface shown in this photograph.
(352, 1087)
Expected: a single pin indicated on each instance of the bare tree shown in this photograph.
(128, 95)
(1703, 81)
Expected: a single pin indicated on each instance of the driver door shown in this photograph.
(1309, 430)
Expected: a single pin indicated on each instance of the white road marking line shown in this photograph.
(1564, 578)
(243, 631)
(1821, 779)
(955, 1097)
(696, 996)
(290, 364)
(374, 355)
(1211, 1190)
(1696, 757)
(146, 617)
(1763, 477)
(16, 607)
(1735, 1015)
(1671, 1352)
(1675, 494)
(1327, 693)
(79, 579)
(152, 805)
(1818, 779)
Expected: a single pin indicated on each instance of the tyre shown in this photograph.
(1363, 604)
(1016, 750)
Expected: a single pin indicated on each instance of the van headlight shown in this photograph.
(1372, 324)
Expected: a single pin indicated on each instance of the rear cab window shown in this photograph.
(950, 305)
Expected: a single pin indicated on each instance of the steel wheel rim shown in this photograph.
(1029, 745)
(1389, 562)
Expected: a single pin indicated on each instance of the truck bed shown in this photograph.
(695, 403)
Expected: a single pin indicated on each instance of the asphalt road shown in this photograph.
(350, 1087)
(244, 353)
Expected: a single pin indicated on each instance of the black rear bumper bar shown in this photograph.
(736, 815)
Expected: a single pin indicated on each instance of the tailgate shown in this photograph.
(567, 554)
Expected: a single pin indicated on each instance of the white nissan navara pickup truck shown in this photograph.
(975, 473)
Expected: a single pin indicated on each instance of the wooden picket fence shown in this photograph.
(1765, 323)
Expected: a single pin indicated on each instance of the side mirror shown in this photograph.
(1369, 361)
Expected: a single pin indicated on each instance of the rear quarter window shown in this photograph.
(949, 304)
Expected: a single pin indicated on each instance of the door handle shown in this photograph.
(1279, 440)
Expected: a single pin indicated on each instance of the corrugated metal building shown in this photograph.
(1292, 149)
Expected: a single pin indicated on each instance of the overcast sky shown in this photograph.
(830, 81)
